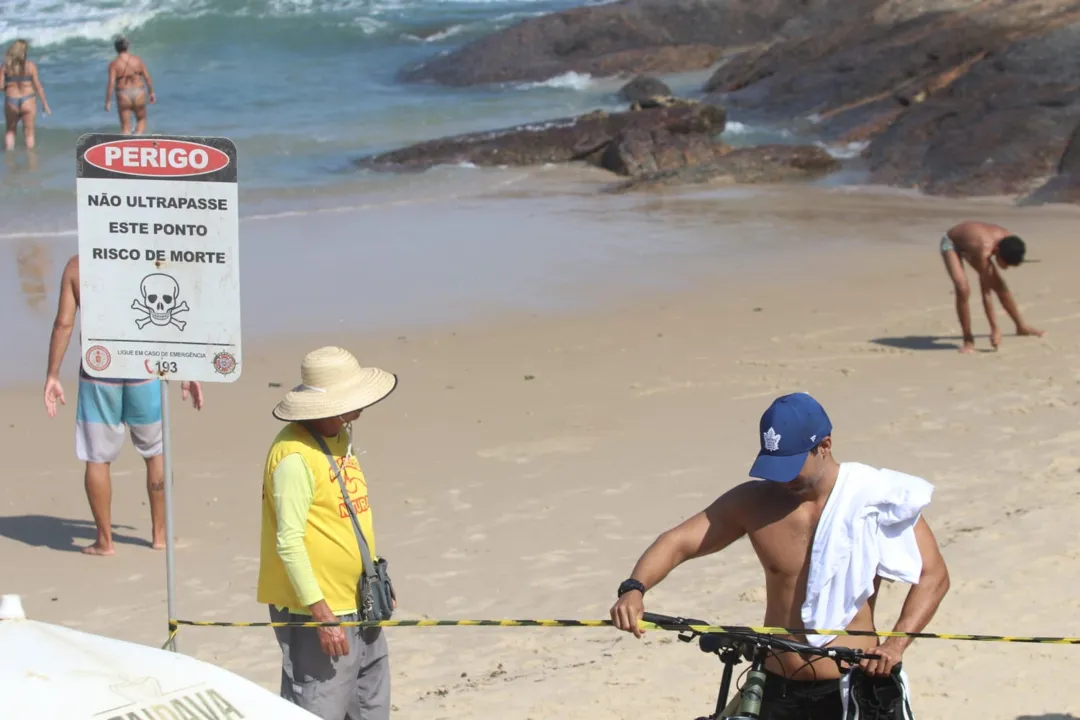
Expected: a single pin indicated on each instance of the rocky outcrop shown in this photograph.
(1000, 129)
(631, 36)
(1064, 187)
(639, 151)
(973, 98)
(670, 131)
(761, 164)
(643, 88)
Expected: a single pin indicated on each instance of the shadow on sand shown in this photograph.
(925, 342)
(1049, 716)
(59, 533)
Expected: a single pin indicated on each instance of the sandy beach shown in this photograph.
(572, 407)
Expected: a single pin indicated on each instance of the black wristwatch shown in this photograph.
(631, 584)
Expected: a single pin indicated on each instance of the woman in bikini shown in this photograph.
(19, 77)
(130, 79)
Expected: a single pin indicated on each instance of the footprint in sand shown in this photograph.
(436, 579)
(618, 490)
(567, 581)
(1064, 465)
(525, 452)
(753, 595)
(678, 472)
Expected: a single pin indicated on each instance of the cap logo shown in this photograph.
(772, 440)
(813, 438)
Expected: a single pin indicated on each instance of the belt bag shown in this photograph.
(374, 593)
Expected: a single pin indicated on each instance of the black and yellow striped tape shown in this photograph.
(174, 627)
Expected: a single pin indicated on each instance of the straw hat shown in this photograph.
(333, 383)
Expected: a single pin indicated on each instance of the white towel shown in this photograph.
(867, 529)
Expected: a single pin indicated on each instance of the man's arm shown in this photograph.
(1009, 303)
(293, 492)
(707, 532)
(987, 284)
(63, 324)
(920, 605)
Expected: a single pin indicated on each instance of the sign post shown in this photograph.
(159, 269)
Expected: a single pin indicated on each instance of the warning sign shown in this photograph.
(159, 257)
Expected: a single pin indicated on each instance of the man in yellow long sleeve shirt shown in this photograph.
(310, 560)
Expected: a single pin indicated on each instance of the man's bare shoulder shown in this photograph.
(748, 495)
(976, 230)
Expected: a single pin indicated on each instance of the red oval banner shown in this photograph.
(156, 158)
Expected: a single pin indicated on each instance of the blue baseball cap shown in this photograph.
(791, 427)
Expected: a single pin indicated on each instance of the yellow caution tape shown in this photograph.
(703, 629)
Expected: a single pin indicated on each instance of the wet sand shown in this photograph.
(570, 401)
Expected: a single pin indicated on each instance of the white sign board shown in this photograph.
(159, 257)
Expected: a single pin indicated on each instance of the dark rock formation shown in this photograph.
(1064, 187)
(643, 88)
(1001, 129)
(587, 137)
(762, 164)
(975, 100)
(631, 36)
(639, 151)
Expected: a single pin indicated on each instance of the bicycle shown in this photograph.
(745, 644)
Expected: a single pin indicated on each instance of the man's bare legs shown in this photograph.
(1007, 302)
(99, 492)
(955, 267)
(155, 489)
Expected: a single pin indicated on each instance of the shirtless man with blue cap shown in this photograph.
(826, 534)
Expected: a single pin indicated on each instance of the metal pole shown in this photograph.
(166, 449)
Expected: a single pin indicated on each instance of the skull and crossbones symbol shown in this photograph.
(159, 295)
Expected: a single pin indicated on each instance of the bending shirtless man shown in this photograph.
(781, 516)
(130, 79)
(103, 408)
(981, 244)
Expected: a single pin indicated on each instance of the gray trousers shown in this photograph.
(353, 687)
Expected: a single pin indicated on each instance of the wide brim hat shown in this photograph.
(332, 383)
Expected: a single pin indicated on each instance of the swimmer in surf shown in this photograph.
(22, 87)
(130, 79)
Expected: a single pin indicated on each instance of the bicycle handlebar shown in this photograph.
(745, 640)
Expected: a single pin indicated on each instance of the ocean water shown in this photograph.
(302, 86)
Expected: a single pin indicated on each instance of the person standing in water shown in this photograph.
(22, 87)
(130, 79)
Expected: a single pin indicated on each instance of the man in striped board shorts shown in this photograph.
(104, 408)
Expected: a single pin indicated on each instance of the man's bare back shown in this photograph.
(781, 525)
(976, 241)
